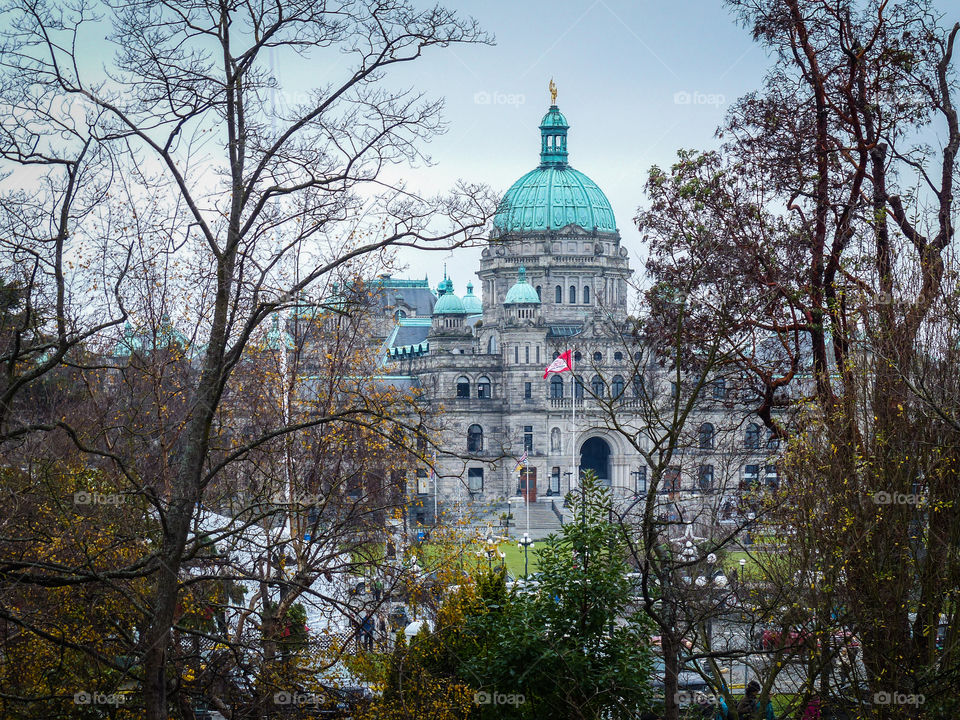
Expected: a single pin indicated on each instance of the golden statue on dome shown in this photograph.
(553, 92)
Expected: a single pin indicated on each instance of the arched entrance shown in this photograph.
(595, 455)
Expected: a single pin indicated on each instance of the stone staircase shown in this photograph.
(543, 519)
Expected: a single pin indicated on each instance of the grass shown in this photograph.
(513, 556)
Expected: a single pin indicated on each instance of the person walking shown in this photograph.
(814, 710)
(749, 705)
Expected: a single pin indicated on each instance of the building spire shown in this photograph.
(553, 134)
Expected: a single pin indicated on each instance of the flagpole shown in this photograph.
(573, 426)
(526, 496)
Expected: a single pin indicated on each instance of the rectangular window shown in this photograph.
(423, 482)
(555, 481)
(527, 390)
(538, 354)
(516, 354)
(475, 480)
(528, 438)
(641, 477)
(527, 354)
(772, 479)
(671, 479)
(751, 476)
(705, 478)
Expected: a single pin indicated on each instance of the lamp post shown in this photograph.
(490, 551)
(526, 543)
(742, 582)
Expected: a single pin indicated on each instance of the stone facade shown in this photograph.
(555, 277)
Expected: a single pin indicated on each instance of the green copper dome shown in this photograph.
(278, 339)
(523, 292)
(554, 195)
(448, 303)
(130, 343)
(471, 303)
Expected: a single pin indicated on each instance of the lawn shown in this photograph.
(513, 556)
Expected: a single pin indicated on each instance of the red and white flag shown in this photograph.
(521, 462)
(562, 363)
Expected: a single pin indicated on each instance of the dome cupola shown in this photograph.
(522, 293)
(553, 138)
(448, 303)
(554, 195)
(471, 303)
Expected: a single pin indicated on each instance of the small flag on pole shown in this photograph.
(562, 363)
(521, 462)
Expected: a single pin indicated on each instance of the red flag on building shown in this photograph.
(562, 363)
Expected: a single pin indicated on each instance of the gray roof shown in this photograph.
(409, 335)
(421, 299)
(398, 382)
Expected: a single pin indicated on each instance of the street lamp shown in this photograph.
(526, 542)
(490, 551)
(740, 579)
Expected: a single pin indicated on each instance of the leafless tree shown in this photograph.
(229, 210)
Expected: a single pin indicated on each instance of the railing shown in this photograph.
(564, 403)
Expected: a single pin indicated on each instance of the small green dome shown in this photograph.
(554, 195)
(523, 293)
(471, 303)
(278, 339)
(130, 343)
(554, 119)
(448, 303)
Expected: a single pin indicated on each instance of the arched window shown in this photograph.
(586, 294)
(638, 385)
(463, 387)
(577, 356)
(475, 439)
(773, 442)
(706, 436)
(598, 357)
(483, 388)
(539, 293)
(617, 386)
(578, 387)
(556, 387)
(555, 444)
(598, 387)
(558, 295)
(573, 294)
(618, 356)
(400, 314)
(492, 345)
(752, 438)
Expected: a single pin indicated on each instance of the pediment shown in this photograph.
(572, 229)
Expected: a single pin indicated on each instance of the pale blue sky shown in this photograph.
(619, 67)
(637, 79)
